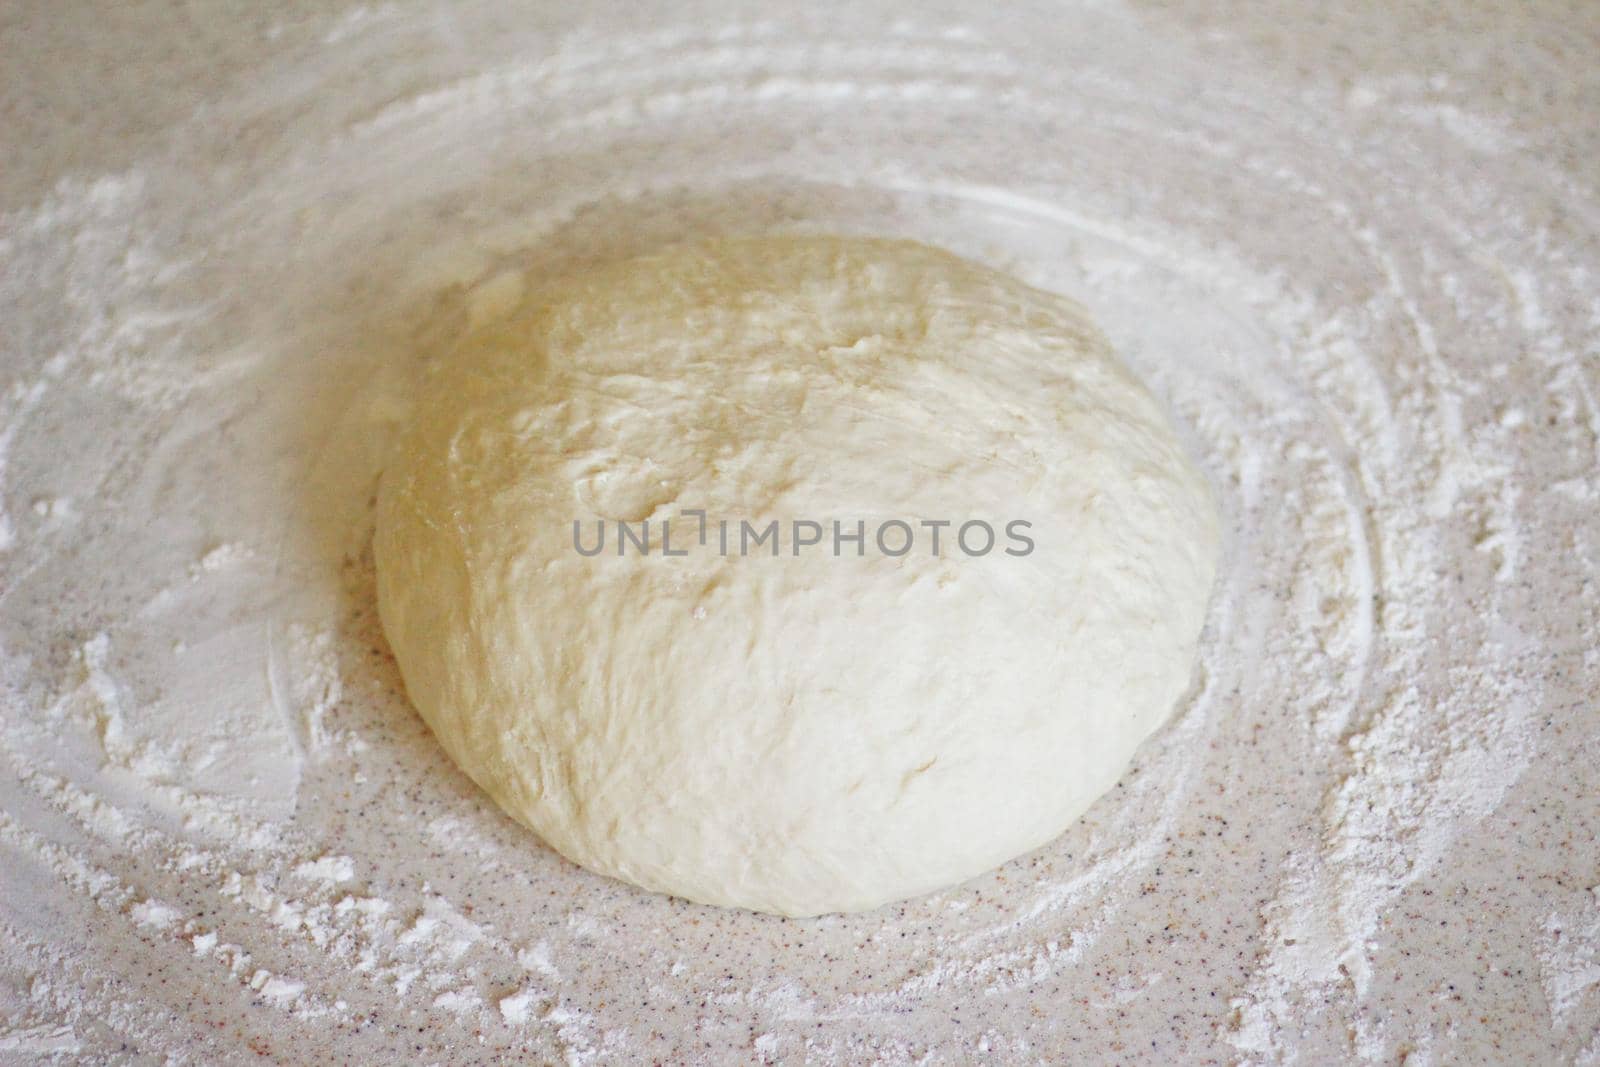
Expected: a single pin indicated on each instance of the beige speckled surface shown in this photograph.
(1357, 254)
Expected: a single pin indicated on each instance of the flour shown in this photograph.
(1365, 292)
(1570, 966)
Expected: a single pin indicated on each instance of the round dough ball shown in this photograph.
(804, 732)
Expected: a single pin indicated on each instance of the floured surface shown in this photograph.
(1368, 295)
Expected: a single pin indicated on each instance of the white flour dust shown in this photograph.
(1367, 301)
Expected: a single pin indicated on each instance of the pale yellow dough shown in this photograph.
(794, 734)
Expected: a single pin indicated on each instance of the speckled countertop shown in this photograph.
(1357, 254)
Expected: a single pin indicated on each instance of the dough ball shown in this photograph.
(831, 727)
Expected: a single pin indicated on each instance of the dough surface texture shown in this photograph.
(800, 733)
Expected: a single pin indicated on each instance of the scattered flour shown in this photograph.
(1366, 298)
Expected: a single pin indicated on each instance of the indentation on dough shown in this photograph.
(627, 490)
(911, 775)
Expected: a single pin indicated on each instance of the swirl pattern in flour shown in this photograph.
(226, 834)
